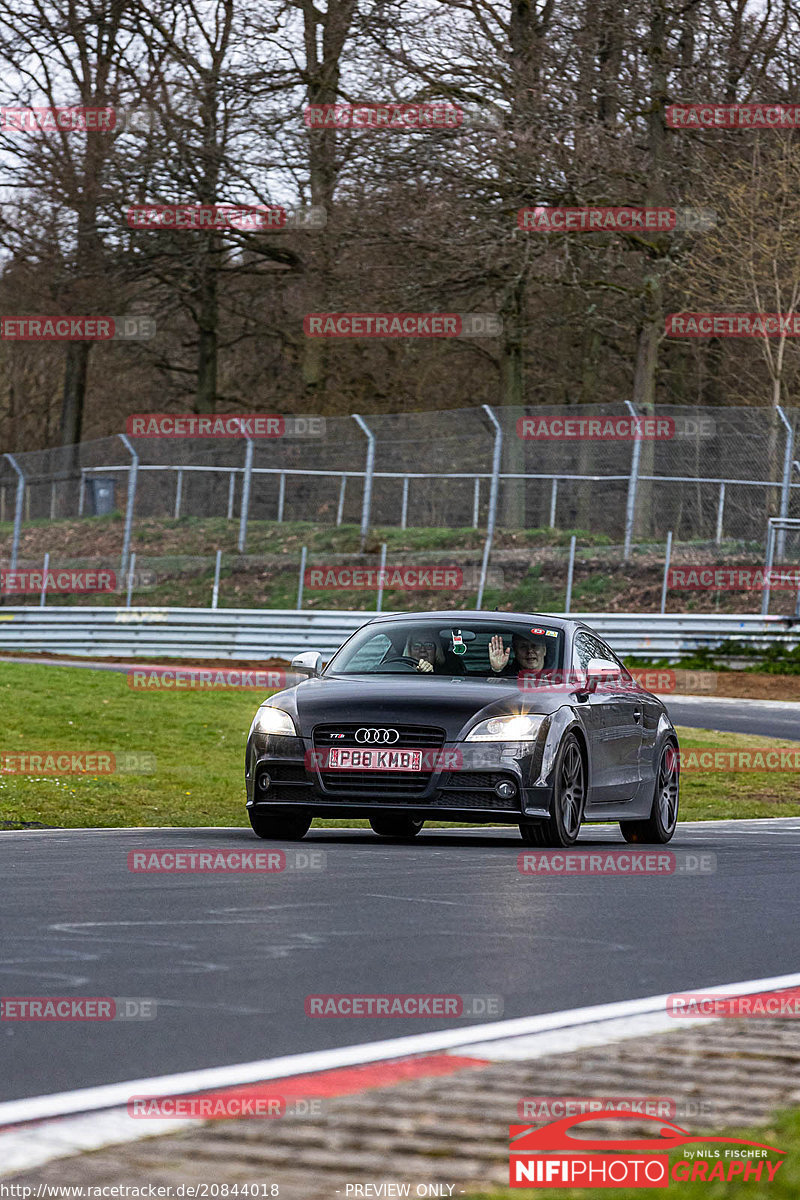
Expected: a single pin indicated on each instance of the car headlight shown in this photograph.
(506, 729)
(273, 720)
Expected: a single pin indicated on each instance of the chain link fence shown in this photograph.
(716, 474)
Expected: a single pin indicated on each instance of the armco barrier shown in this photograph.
(255, 634)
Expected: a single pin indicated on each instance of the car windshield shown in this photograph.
(480, 649)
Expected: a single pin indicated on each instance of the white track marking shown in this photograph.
(106, 1121)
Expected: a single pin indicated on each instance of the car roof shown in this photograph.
(480, 614)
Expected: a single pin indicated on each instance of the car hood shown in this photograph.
(448, 703)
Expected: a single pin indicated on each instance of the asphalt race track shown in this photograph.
(230, 958)
(767, 718)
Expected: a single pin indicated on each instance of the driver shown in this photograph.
(423, 649)
(427, 652)
(529, 654)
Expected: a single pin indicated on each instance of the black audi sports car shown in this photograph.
(512, 718)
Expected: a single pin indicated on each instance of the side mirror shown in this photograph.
(598, 670)
(308, 663)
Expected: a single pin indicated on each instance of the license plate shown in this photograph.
(342, 759)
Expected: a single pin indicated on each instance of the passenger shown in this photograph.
(529, 655)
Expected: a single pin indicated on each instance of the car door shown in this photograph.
(595, 712)
(625, 719)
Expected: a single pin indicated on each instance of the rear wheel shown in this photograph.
(395, 827)
(280, 826)
(660, 825)
(569, 799)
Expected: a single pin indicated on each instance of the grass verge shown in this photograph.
(198, 741)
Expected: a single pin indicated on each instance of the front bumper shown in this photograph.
(466, 794)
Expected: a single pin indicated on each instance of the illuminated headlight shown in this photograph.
(273, 720)
(506, 729)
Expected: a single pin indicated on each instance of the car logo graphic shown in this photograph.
(385, 737)
(556, 1135)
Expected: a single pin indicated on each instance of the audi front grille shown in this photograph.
(414, 737)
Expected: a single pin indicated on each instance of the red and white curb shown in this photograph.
(39, 1129)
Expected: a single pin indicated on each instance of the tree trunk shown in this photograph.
(651, 324)
(513, 492)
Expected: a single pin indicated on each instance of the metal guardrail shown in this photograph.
(255, 634)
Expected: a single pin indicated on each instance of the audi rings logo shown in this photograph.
(385, 737)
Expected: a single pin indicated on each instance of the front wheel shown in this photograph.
(569, 799)
(395, 827)
(660, 825)
(280, 826)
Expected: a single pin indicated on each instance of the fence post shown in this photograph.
(301, 578)
(667, 558)
(178, 493)
(52, 500)
(133, 471)
(17, 509)
(633, 484)
(404, 508)
(768, 567)
(130, 579)
(43, 594)
(215, 593)
(248, 473)
(476, 502)
(82, 494)
(553, 502)
(570, 573)
(381, 571)
(231, 488)
(281, 495)
(720, 513)
(340, 509)
(788, 454)
(369, 471)
(493, 489)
